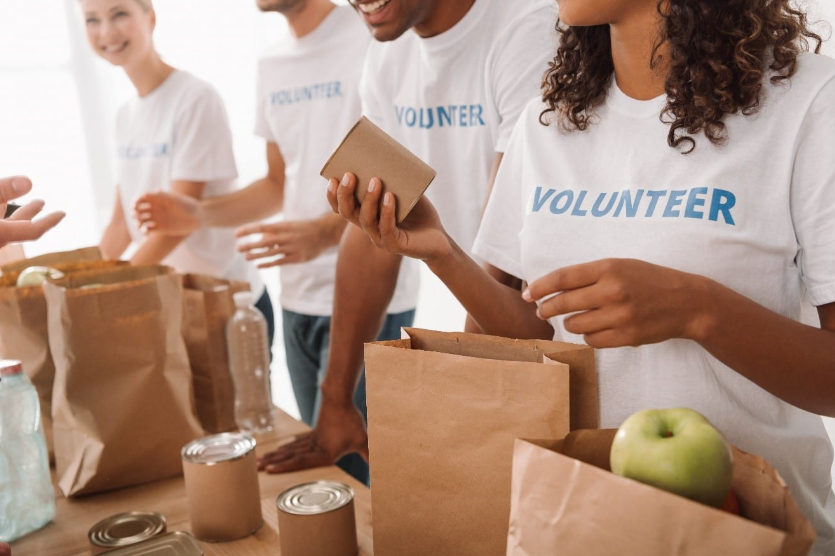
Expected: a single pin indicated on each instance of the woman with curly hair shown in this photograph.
(669, 200)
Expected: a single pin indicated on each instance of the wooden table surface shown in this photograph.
(67, 534)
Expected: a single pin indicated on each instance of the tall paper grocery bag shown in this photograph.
(23, 331)
(122, 403)
(207, 306)
(443, 412)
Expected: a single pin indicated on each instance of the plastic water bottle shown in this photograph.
(249, 363)
(27, 499)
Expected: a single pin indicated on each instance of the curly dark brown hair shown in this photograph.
(717, 57)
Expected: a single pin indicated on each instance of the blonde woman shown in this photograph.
(173, 135)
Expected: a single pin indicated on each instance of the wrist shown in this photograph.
(336, 397)
(332, 226)
(445, 257)
(703, 317)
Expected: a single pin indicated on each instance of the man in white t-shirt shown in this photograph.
(307, 100)
(448, 80)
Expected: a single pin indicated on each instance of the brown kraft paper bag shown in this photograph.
(443, 412)
(122, 402)
(23, 333)
(207, 306)
(565, 501)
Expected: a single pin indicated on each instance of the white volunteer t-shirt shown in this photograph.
(180, 131)
(308, 99)
(453, 100)
(757, 215)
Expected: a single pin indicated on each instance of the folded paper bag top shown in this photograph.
(564, 500)
(368, 152)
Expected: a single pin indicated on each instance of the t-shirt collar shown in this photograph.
(458, 31)
(620, 101)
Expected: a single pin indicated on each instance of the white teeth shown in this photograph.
(112, 49)
(372, 7)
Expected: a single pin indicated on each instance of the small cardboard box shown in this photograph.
(565, 501)
(368, 152)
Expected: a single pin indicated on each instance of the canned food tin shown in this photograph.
(126, 529)
(317, 518)
(221, 477)
(178, 543)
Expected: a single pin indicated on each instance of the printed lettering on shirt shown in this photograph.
(154, 150)
(713, 204)
(306, 93)
(453, 115)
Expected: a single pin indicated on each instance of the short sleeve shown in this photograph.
(262, 126)
(368, 89)
(517, 65)
(497, 242)
(202, 149)
(813, 197)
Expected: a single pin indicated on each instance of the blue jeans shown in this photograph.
(306, 340)
(266, 307)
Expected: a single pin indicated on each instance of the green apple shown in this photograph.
(677, 450)
(35, 275)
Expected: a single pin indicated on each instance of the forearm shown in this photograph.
(155, 248)
(793, 361)
(498, 309)
(114, 241)
(366, 278)
(259, 200)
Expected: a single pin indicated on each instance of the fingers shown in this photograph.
(370, 211)
(14, 187)
(261, 228)
(567, 278)
(25, 230)
(347, 205)
(289, 258)
(390, 234)
(28, 211)
(302, 453)
(269, 241)
(331, 195)
(571, 301)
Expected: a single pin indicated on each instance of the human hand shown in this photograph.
(420, 235)
(624, 302)
(339, 431)
(290, 242)
(168, 213)
(20, 226)
(5, 550)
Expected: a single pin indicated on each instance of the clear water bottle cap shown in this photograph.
(9, 367)
(243, 299)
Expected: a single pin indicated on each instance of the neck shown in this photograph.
(308, 17)
(443, 17)
(148, 74)
(633, 41)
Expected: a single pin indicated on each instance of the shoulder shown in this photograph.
(524, 20)
(197, 93)
(815, 76)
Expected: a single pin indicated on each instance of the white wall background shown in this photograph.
(58, 101)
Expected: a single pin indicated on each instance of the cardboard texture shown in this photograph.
(23, 330)
(207, 306)
(368, 151)
(443, 412)
(565, 501)
(122, 399)
(85, 254)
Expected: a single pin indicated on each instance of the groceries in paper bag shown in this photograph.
(676, 487)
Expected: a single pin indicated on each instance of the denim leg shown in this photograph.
(303, 337)
(353, 464)
(265, 305)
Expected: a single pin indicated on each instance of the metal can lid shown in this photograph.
(228, 446)
(126, 529)
(9, 367)
(315, 498)
(178, 543)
